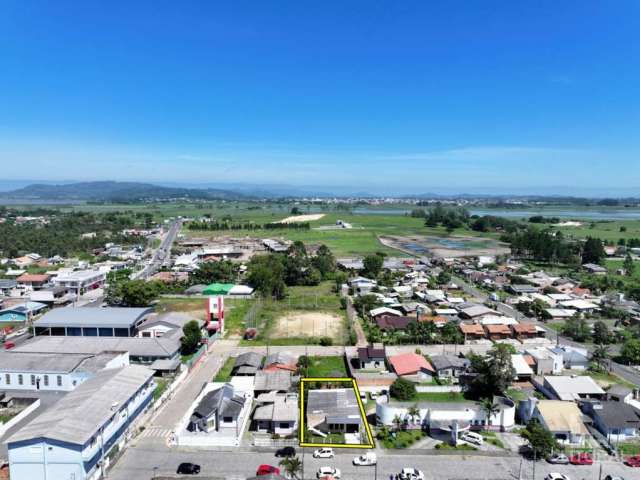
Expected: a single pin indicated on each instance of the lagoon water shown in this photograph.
(564, 213)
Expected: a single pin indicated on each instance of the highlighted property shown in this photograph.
(332, 414)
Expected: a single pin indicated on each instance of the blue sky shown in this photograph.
(412, 96)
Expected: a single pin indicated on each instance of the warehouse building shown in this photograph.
(92, 322)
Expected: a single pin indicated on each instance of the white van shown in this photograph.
(472, 437)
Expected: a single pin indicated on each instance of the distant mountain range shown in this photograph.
(116, 191)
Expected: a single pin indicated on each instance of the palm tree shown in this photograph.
(489, 409)
(413, 412)
(292, 466)
(600, 355)
(397, 421)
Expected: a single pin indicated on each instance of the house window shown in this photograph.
(7, 378)
(20, 379)
(59, 380)
(33, 380)
(227, 419)
(46, 380)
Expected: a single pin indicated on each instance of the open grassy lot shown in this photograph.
(321, 367)
(224, 374)
(604, 229)
(614, 265)
(307, 315)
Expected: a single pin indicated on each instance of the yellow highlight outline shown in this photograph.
(363, 415)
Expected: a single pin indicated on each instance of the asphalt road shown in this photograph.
(139, 463)
(162, 255)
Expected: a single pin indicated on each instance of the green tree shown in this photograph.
(541, 440)
(601, 333)
(630, 351)
(577, 329)
(402, 389)
(372, 265)
(265, 273)
(628, 265)
(324, 261)
(443, 277)
(223, 271)
(494, 373)
(292, 466)
(191, 337)
(414, 412)
(138, 293)
(592, 250)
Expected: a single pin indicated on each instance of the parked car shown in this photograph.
(373, 395)
(409, 473)
(9, 345)
(369, 458)
(188, 468)
(613, 477)
(266, 470)
(632, 461)
(323, 453)
(583, 458)
(558, 459)
(472, 437)
(556, 476)
(286, 452)
(328, 472)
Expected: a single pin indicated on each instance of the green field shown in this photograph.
(322, 367)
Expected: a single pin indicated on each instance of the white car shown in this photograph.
(328, 472)
(472, 437)
(556, 476)
(366, 459)
(323, 453)
(410, 474)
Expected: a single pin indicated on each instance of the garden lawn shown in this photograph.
(439, 397)
(224, 374)
(322, 367)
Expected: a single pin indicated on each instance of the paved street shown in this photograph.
(239, 463)
(162, 254)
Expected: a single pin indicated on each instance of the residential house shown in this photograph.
(412, 365)
(617, 421)
(572, 358)
(572, 388)
(524, 331)
(280, 361)
(276, 413)
(472, 331)
(158, 326)
(276, 381)
(33, 281)
(523, 370)
(362, 286)
(82, 281)
(582, 306)
(449, 366)
(594, 269)
(386, 311)
(521, 289)
(333, 411)
(7, 285)
(562, 418)
(497, 331)
(217, 410)
(372, 357)
(546, 361)
(560, 313)
(54, 296)
(392, 322)
(476, 312)
(247, 364)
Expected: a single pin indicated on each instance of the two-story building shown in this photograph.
(74, 439)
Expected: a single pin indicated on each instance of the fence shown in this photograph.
(196, 356)
(268, 441)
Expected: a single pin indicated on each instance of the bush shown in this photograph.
(403, 389)
(326, 341)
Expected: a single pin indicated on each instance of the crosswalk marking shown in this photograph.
(155, 432)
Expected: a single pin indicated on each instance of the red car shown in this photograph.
(632, 461)
(9, 345)
(583, 458)
(266, 470)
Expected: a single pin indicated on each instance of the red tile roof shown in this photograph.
(392, 322)
(524, 328)
(471, 329)
(33, 277)
(409, 363)
(497, 329)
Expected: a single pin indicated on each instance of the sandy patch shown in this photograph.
(308, 324)
(568, 224)
(303, 218)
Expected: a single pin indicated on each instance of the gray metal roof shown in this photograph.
(93, 317)
(248, 359)
(163, 347)
(269, 381)
(335, 402)
(443, 362)
(81, 413)
(223, 400)
(20, 362)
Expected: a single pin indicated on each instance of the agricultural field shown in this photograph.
(606, 230)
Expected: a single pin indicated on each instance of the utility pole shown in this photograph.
(520, 470)
(534, 465)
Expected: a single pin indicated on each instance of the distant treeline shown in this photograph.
(542, 219)
(216, 225)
